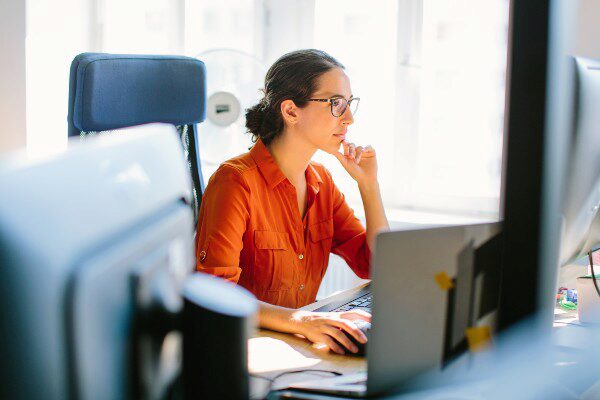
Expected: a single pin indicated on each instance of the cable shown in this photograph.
(593, 274)
(272, 380)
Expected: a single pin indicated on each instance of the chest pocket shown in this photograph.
(274, 267)
(321, 236)
(321, 231)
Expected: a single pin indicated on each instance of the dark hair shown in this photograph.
(292, 77)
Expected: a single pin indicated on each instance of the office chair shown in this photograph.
(115, 91)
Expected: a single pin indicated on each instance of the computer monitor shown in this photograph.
(89, 241)
(581, 232)
(551, 156)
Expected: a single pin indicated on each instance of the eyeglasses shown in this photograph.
(339, 105)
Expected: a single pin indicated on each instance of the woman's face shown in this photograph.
(316, 122)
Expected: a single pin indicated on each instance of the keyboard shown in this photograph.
(363, 302)
(361, 299)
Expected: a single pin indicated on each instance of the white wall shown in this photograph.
(12, 75)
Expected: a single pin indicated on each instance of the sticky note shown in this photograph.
(444, 281)
(479, 337)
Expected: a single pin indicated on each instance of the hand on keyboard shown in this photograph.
(333, 330)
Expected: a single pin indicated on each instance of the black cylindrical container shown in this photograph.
(217, 320)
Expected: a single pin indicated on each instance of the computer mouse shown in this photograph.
(365, 327)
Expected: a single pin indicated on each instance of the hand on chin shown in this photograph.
(360, 162)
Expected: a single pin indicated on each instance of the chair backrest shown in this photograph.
(114, 91)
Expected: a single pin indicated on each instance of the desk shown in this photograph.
(271, 353)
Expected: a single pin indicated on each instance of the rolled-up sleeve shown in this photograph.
(221, 224)
(350, 237)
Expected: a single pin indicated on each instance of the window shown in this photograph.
(139, 26)
(57, 31)
(451, 144)
(430, 74)
(364, 39)
(231, 24)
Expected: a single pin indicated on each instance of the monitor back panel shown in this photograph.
(410, 299)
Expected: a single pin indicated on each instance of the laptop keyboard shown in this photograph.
(363, 302)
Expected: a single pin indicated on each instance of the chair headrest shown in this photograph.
(112, 91)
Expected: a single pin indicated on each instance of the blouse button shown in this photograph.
(302, 286)
(202, 255)
(301, 256)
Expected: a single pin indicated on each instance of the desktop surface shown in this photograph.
(270, 353)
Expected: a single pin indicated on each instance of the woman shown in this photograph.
(270, 218)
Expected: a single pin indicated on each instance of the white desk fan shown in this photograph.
(233, 80)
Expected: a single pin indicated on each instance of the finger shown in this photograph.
(358, 155)
(351, 150)
(341, 337)
(351, 329)
(345, 147)
(356, 314)
(329, 343)
(369, 151)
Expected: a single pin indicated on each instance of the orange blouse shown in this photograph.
(250, 230)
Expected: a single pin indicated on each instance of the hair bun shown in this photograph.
(263, 122)
(255, 117)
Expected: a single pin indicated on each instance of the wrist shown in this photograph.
(296, 321)
(277, 318)
(368, 184)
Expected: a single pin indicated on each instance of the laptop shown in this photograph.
(428, 286)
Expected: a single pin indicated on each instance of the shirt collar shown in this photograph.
(266, 164)
(313, 179)
(271, 171)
